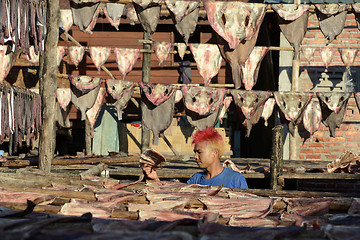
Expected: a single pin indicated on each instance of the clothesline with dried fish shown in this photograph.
(17, 89)
(180, 85)
(205, 101)
(268, 9)
(347, 56)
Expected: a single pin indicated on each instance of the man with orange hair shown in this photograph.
(208, 148)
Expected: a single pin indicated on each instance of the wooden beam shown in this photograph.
(48, 86)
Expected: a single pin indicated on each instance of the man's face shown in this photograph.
(204, 155)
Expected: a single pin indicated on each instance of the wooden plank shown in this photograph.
(15, 163)
(166, 173)
(73, 161)
(59, 193)
(313, 176)
(38, 208)
(253, 162)
(15, 179)
(295, 193)
(273, 193)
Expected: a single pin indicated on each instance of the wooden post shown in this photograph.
(48, 85)
(88, 138)
(294, 139)
(11, 144)
(146, 67)
(276, 161)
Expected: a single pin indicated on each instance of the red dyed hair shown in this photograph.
(211, 136)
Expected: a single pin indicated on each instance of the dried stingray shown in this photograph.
(251, 105)
(333, 108)
(84, 83)
(63, 116)
(84, 101)
(292, 21)
(235, 21)
(312, 117)
(85, 14)
(185, 16)
(121, 91)
(252, 65)
(188, 24)
(357, 99)
(308, 53)
(234, 48)
(149, 15)
(356, 7)
(331, 19)
(292, 106)
(237, 57)
(157, 108)
(113, 12)
(202, 121)
(203, 105)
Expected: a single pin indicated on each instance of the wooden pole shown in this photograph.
(146, 67)
(48, 86)
(169, 144)
(294, 139)
(276, 161)
(88, 137)
(11, 143)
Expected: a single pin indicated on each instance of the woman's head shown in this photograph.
(212, 138)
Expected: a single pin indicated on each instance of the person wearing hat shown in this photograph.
(208, 148)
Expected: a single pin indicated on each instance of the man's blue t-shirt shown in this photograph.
(228, 178)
